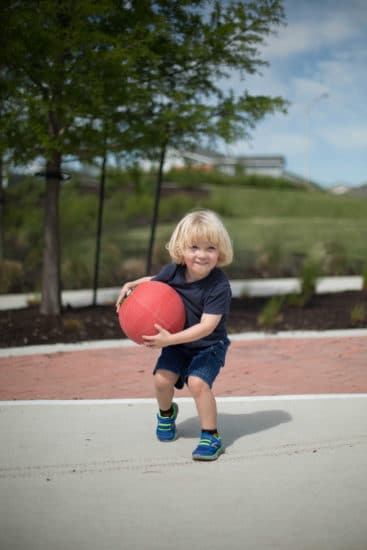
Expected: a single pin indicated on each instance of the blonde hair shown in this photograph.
(196, 226)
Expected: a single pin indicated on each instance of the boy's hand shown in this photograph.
(125, 291)
(160, 340)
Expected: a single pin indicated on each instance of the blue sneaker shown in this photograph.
(166, 428)
(209, 448)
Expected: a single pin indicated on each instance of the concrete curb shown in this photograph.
(246, 287)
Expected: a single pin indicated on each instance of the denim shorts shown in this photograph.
(205, 363)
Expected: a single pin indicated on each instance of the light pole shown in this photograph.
(308, 108)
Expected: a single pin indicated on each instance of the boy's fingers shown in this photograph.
(119, 302)
(121, 298)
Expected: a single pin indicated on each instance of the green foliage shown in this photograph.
(358, 314)
(175, 207)
(192, 177)
(270, 259)
(272, 236)
(11, 275)
(131, 269)
(23, 219)
(332, 256)
(137, 209)
(90, 79)
(309, 275)
(364, 277)
(302, 223)
(72, 325)
(273, 203)
(78, 213)
(76, 272)
(271, 313)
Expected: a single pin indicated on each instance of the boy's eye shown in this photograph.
(194, 247)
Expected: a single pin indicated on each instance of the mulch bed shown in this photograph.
(25, 327)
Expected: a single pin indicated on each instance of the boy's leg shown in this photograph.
(204, 401)
(164, 382)
(210, 444)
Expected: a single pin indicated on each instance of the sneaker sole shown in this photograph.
(204, 458)
(167, 440)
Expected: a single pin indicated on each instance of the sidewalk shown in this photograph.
(80, 466)
(284, 364)
(91, 475)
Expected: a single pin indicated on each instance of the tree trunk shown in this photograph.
(51, 295)
(156, 209)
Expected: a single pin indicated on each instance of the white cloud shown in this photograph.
(310, 35)
(346, 137)
(343, 69)
(267, 142)
(323, 50)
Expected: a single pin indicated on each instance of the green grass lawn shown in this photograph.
(274, 225)
(273, 230)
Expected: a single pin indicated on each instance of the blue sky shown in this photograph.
(318, 62)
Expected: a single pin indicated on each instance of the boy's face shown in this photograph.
(200, 258)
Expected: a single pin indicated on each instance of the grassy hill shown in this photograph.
(274, 224)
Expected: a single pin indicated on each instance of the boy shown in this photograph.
(199, 247)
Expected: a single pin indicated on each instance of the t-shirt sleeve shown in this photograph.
(166, 273)
(218, 299)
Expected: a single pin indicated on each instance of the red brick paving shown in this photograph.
(283, 366)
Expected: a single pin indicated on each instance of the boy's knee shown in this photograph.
(197, 385)
(165, 379)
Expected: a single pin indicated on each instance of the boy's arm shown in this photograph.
(208, 323)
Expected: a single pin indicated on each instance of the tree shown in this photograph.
(53, 51)
(204, 42)
(14, 140)
(135, 75)
(40, 51)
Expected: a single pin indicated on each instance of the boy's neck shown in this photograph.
(192, 278)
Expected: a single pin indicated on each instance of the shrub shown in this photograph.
(160, 254)
(309, 275)
(364, 278)
(11, 275)
(73, 325)
(137, 209)
(331, 256)
(358, 314)
(271, 314)
(76, 273)
(131, 269)
(175, 207)
(110, 264)
(223, 207)
(269, 258)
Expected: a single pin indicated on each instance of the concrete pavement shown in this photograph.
(90, 475)
(80, 467)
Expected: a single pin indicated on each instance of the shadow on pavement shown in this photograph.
(235, 426)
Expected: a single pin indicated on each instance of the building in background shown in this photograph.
(260, 165)
(205, 159)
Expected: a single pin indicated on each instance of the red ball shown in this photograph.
(148, 304)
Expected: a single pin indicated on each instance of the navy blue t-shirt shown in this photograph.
(209, 295)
